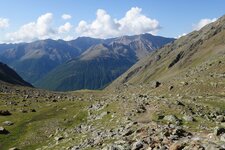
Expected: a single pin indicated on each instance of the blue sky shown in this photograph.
(160, 17)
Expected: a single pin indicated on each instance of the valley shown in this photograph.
(130, 92)
(184, 109)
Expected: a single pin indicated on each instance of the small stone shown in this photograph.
(137, 145)
(32, 110)
(7, 123)
(179, 103)
(58, 138)
(188, 118)
(23, 111)
(13, 148)
(171, 87)
(155, 84)
(102, 115)
(75, 148)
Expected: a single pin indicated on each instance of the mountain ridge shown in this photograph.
(118, 57)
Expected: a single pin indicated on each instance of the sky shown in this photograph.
(30, 20)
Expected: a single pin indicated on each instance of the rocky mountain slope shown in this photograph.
(195, 58)
(10, 76)
(101, 63)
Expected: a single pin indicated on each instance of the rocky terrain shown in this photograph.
(37, 119)
(173, 99)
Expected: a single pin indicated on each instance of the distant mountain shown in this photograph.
(10, 76)
(33, 60)
(102, 63)
(196, 59)
(83, 43)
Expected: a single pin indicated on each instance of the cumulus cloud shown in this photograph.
(4, 23)
(66, 16)
(202, 23)
(40, 29)
(104, 26)
(65, 28)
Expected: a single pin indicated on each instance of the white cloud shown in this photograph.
(104, 26)
(181, 35)
(66, 16)
(65, 28)
(41, 29)
(202, 23)
(4, 23)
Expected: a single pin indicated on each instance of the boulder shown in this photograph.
(171, 118)
(4, 113)
(220, 118)
(3, 131)
(137, 145)
(219, 130)
(222, 138)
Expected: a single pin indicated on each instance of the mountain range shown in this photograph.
(78, 64)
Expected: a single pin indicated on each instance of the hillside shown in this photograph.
(101, 64)
(10, 76)
(196, 58)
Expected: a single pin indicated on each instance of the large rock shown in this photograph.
(219, 130)
(220, 118)
(4, 113)
(222, 138)
(3, 131)
(171, 118)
